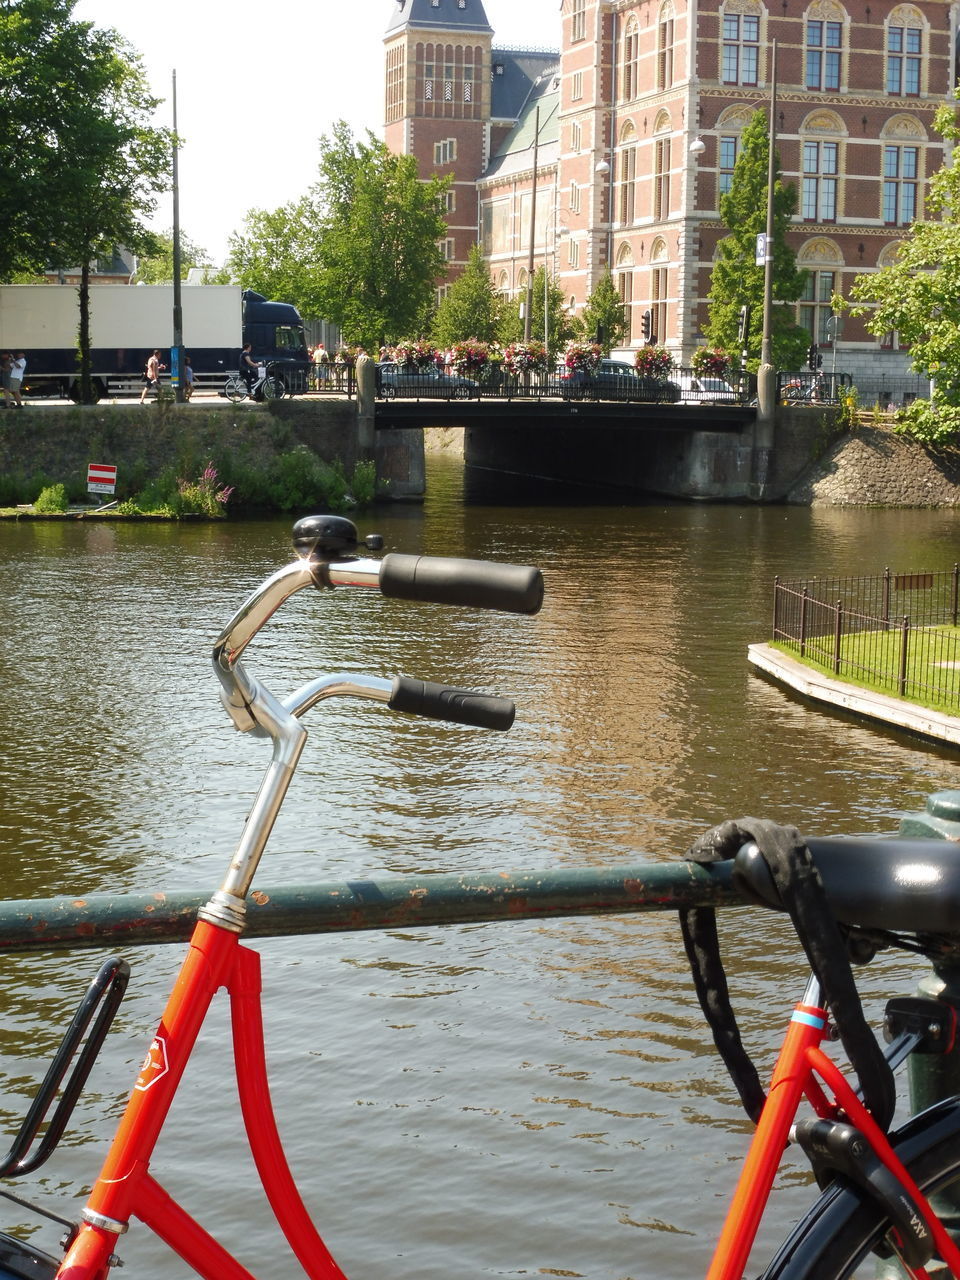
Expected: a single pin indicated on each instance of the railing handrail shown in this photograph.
(836, 622)
(393, 902)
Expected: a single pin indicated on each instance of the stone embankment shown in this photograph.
(874, 467)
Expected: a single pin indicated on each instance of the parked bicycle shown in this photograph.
(887, 1192)
(269, 385)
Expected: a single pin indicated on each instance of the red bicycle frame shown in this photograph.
(800, 1062)
(126, 1189)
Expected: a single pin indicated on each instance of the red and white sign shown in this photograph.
(101, 478)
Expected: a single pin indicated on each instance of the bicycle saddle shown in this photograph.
(904, 886)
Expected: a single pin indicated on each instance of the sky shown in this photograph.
(257, 87)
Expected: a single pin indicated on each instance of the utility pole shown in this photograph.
(528, 307)
(176, 353)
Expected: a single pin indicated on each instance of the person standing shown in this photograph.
(18, 367)
(187, 378)
(151, 375)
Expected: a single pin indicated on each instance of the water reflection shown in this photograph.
(502, 1100)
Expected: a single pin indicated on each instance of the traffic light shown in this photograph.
(812, 356)
(646, 323)
(744, 325)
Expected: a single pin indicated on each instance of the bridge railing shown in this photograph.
(495, 382)
(811, 386)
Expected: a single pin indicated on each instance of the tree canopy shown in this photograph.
(737, 279)
(156, 266)
(471, 308)
(80, 164)
(918, 296)
(362, 248)
(603, 318)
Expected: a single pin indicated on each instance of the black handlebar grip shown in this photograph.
(459, 706)
(447, 580)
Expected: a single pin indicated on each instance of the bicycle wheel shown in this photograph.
(838, 1238)
(235, 390)
(273, 388)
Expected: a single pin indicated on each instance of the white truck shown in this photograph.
(128, 322)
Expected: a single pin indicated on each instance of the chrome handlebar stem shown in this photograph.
(253, 709)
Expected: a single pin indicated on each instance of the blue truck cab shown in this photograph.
(275, 332)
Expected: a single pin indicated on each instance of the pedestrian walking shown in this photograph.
(187, 378)
(151, 375)
(18, 367)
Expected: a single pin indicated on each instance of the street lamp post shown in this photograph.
(176, 354)
(528, 309)
(766, 375)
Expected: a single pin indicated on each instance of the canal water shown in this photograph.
(507, 1100)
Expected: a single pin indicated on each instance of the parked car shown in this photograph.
(432, 383)
(703, 390)
(615, 380)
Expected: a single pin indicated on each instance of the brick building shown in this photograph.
(632, 86)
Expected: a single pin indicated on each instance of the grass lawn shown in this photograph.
(871, 660)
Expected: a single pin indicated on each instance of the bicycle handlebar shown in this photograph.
(457, 706)
(448, 580)
(325, 546)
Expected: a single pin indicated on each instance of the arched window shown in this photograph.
(905, 41)
(665, 37)
(821, 151)
(659, 290)
(730, 125)
(902, 138)
(825, 38)
(740, 57)
(624, 284)
(823, 261)
(661, 168)
(629, 79)
(627, 174)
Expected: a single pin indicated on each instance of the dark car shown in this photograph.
(431, 383)
(615, 380)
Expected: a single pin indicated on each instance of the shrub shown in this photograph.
(52, 499)
(469, 358)
(416, 353)
(711, 362)
(582, 356)
(525, 357)
(653, 362)
(363, 484)
(202, 496)
(930, 422)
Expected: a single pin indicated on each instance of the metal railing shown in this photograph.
(106, 920)
(811, 386)
(891, 631)
(494, 382)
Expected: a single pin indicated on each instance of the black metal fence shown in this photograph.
(811, 386)
(896, 632)
(611, 381)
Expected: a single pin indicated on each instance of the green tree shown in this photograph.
(736, 278)
(157, 267)
(547, 297)
(472, 306)
(918, 295)
(276, 254)
(380, 227)
(603, 316)
(77, 145)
